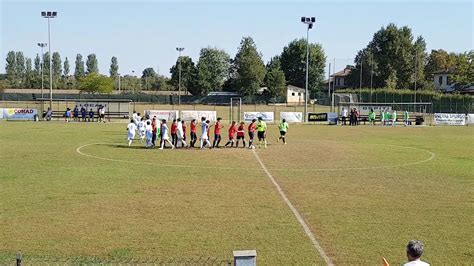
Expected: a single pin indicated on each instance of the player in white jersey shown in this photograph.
(141, 129)
(204, 133)
(138, 118)
(134, 117)
(131, 127)
(164, 135)
(148, 134)
(181, 134)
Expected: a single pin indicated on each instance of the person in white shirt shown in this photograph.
(414, 252)
(138, 119)
(134, 117)
(148, 134)
(204, 136)
(181, 134)
(141, 130)
(344, 115)
(164, 135)
(131, 127)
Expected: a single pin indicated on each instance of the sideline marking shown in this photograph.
(78, 150)
(298, 216)
(432, 156)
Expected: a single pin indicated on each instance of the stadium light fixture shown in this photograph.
(42, 45)
(48, 15)
(310, 22)
(179, 49)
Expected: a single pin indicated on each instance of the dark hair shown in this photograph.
(194, 120)
(259, 118)
(203, 118)
(163, 120)
(147, 122)
(415, 249)
(283, 120)
(179, 119)
(254, 120)
(219, 119)
(131, 120)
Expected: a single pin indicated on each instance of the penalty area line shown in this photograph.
(298, 216)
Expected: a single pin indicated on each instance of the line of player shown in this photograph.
(150, 130)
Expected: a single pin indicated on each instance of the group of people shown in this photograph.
(385, 117)
(81, 114)
(152, 129)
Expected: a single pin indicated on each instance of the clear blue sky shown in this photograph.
(145, 33)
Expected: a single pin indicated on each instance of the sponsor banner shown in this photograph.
(470, 119)
(317, 117)
(365, 109)
(292, 117)
(332, 118)
(266, 116)
(19, 113)
(190, 115)
(109, 107)
(1, 113)
(450, 119)
(168, 115)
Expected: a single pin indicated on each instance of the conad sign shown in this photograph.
(19, 113)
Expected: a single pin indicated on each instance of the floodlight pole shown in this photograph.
(48, 15)
(309, 21)
(179, 49)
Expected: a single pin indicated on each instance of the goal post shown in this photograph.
(235, 111)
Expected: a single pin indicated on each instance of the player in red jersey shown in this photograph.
(252, 128)
(232, 131)
(217, 133)
(174, 132)
(193, 132)
(240, 134)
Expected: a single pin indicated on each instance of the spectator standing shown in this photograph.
(91, 115)
(414, 252)
(76, 113)
(83, 113)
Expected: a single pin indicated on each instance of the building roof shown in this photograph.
(294, 88)
(451, 70)
(343, 73)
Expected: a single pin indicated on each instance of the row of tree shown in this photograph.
(395, 59)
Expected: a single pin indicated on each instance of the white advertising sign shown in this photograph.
(266, 116)
(470, 119)
(292, 117)
(168, 115)
(365, 109)
(19, 113)
(190, 115)
(450, 119)
(1, 113)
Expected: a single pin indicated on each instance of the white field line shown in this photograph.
(298, 216)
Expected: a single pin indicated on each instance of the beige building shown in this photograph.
(442, 80)
(294, 95)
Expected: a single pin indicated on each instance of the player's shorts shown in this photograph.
(204, 136)
(251, 135)
(282, 133)
(217, 136)
(231, 137)
(261, 134)
(130, 136)
(193, 135)
(165, 137)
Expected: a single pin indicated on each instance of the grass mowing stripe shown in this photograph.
(298, 216)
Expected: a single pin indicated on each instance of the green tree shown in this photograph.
(29, 77)
(46, 65)
(114, 67)
(96, 83)
(148, 77)
(66, 68)
(293, 64)
(212, 69)
(275, 78)
(37, 65)
(92, 64)
(439, 60)
(57, 69)
(188, 73)
(10, 67)
(397, 57)
(20, 69)
(79, 72)
(464, 73)
(249, 68)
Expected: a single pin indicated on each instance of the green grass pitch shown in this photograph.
(363, 191)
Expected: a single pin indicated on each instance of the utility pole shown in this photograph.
(309, 21)
(179, 49)
(49, 15)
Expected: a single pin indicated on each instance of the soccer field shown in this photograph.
(77, 191)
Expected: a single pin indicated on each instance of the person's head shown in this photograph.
(283, 120)
(414, 249)
(163, 121)
(148, 122)
(138, 114)
(203, 119)
(254, 120)
(233, 123)
(91, 110)
(174, 120)
(219, 119)
(193, 121)
(179, 120)
(131, 120)
(371, 109)
(207, 121)
(154, 118)
(259, 118)
(242, 123)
